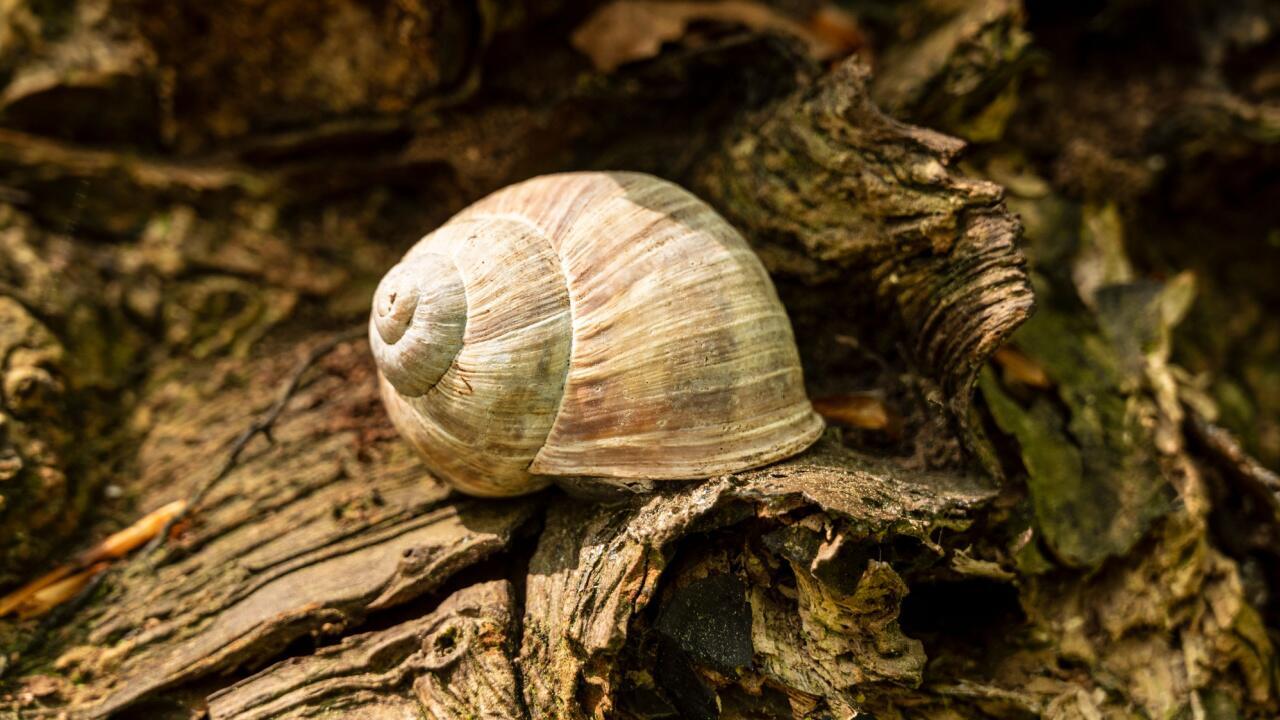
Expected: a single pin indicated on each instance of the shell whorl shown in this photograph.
(418, 320)
(605, 325)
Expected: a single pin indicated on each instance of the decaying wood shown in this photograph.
(454, 662)
(333, 520)
(826, 183)
(597, 568)
(260, 427)
(34, 441)
(345, 523)
(960, 74)
(193, 198)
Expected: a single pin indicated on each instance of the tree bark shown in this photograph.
(1062, 514)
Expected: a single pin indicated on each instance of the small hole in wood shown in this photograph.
(447, 640)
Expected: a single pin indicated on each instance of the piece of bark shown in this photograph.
(832, 645)
(597, 566)
(333, 520)
(826, 185)
(959, 76)
(455, 662)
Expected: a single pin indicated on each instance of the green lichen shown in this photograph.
(1093, 476)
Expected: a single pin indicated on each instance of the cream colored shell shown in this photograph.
(603, 325)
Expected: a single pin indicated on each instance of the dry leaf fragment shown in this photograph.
(629, 30)
(838, 28)
(1021, 369)
(859, 410)
(11, 602)
(51, 596)
(64, 582)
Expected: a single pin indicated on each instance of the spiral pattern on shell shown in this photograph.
(597, 325)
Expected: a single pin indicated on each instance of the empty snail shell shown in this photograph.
(588, 325)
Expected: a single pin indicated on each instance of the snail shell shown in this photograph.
(588, 325)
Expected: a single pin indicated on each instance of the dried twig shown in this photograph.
(261, 426)
(1232, 456)
(66, 589)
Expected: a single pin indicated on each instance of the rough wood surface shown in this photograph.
(333, 520)
(826, 183)
(597, 568)
(454, 662)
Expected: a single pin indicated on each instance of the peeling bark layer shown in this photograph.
(454, 662)
(597, 568)
(826, 183)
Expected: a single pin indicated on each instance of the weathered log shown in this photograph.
(334, 520)
(189, 206)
